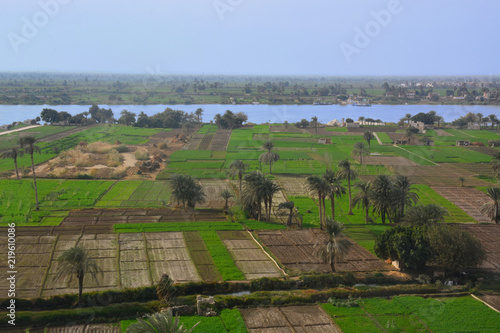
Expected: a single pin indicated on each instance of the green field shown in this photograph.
(177, 226)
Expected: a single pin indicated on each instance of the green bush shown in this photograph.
(122, 148)
(141, 155)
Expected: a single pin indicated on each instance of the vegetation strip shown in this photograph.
(221, 256)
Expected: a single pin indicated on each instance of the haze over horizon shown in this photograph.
(238, 37)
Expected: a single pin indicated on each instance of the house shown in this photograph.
(401, 141)
(352, 125)
(325, 141)
(473, 126)
(463, 143)
(389, 94)
(4, 127)
(411, 94)
(334, 122)
(419, 125)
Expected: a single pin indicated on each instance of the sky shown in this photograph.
(257, 37)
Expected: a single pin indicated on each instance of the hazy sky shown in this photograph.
(319, 37)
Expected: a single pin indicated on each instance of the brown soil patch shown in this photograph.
(440, 175)
(296, 250)
(220, 140)
(388, 161)
(288, 319)
(489, 236)
(467, 199)
(440, 132)
(492, 300)
(485, 150)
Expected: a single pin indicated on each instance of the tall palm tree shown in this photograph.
(381, 196)
(314, 123)
(368, 137)
(290, 205)
(493, 119)
(28, 144)
(269, 189)
(336, 188)
(360, 151)
(239, 168)
(362, 198)
(320, 186)
(252, 194)
(346, 172)
(407, 117)
(77, 262)
(13, 153)
(403, 195)
(226, 195)
(334, 248)
(186, 189)
(199, 113)
(159, 322)
(269, 156)
(439, 120)
(492, 208)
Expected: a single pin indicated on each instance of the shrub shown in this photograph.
(114, 158)
(163, 145)
(99, 148)
(142, 155)
(122, 148)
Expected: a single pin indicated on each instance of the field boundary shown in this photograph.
(484, 302)
(263, 250)
(417, 155)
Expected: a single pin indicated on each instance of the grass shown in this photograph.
(177, 226)
(221, 256)
(415, 314)
(259, 225)
(136, 193)
(365, 235)
(384, 138)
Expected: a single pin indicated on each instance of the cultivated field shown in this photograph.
(467, 199)
(489, 236)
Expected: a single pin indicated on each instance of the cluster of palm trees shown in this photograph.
(258, 189)
(186, 190)
(27, 145)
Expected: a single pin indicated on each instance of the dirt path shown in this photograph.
(416, 155)
(378, 139)
(19, 129)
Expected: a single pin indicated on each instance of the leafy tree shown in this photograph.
(368, 137)
(77, 262)
(50, 115)
(13, 153)
(439, 120)
(230, 120)
(403, 195)
(270, 156)
(159, 322)
(454, 249)
(285, 123)
(127, 118)
(346, 172)
(186, 189)
(427, 141)
(381, 196)
(238, 167)
(492, 208)
(424, 215)
(28, 144)
(360, 151)
(188, 126)
(335, 247)
(290, 205)
(320, 186)
(226, 195)
(410, 133)
(362, 198)
(336, 188)
(408, 245)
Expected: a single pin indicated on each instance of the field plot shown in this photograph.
(96, 328)
(468, 199)
(201, 257)
(489, 236)
(303, 319)
(293, 186)
(248, 255)
(388, 161)
(442, 175)
(213, 189)
(220, 140)
(295, 250)
(440, 132)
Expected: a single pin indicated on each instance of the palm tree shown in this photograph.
(269, 189)
(320, 186)
(409, 134)
(290, 205)
(336, 188)
(381, 196)
(252, 195)
(159, 322)
(199, 113)
(314, 123)
(346, 172)
(493, 119)
(360, 151)
(407, 117)
(238, 167)
(368, 137)
(334, 248)
(186, 189)
(462, 180)
(77, 262)
(362, 198)
(28, 143)
(439, 120)
(424, 215)
(403, 195)
(269, 156)
(226, 195)
(13, 153)
(286, 124)
(492, 208)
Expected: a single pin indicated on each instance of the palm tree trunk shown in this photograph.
(265, 205)
(320, 211)
(383, 216)
(324, 209)
(366, 213)
(270, 207)
(333, 206)
(290, 217)
(34, 181)
(240, 176)
(332, 266)
(259, 210)
(270, 168)
(17, 170)
(80, 289)
(349, 187)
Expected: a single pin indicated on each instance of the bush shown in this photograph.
(121, 148)
(163, 145)
(142, 155)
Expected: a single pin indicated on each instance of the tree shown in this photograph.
(165, 288)
(407, 118)
(492, 208)
(346, 172)
(290, 205)
(186, 189)
(368, 137)
(199, 113)
(408, 245)
(424, 215)
(410, 133)
(270, 156)
(238, 167)
(314, 123)
(50, 115)
(362, 198)
(336, 188)
(252, 194)
(127, 118)
(381, 196)
(285, 123)
(320, 186)
(454, 249)
(462, 180)
(427, 141)
(159, 322)
(187, 126)
(335, 247)
(403, 195)
(439, 120)
(77, 262)
(13, 153)
(269, 189)
(226, 195)
(28, 144)
(360, 151)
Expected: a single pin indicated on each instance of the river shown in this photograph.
(263, 113)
